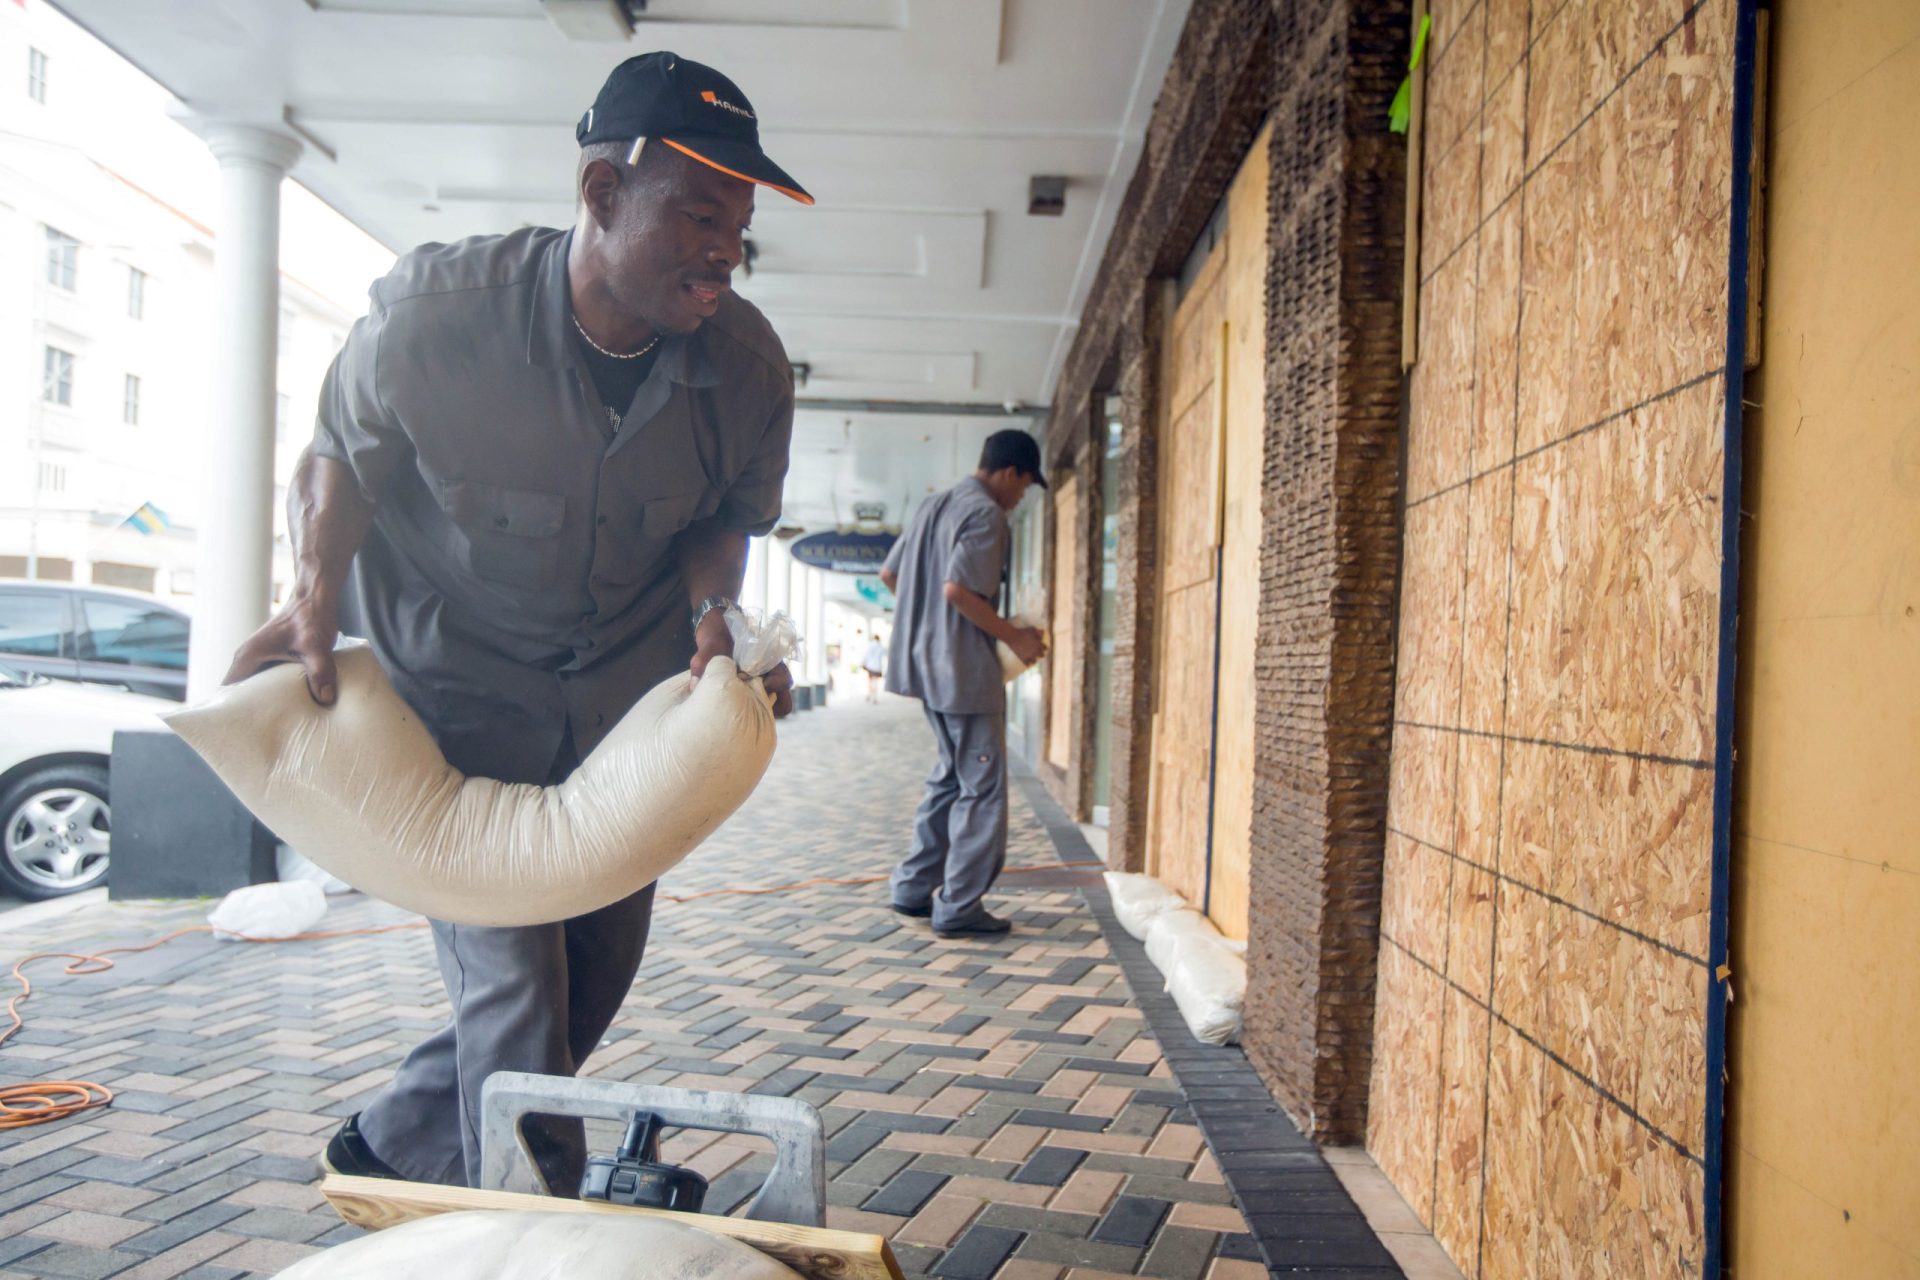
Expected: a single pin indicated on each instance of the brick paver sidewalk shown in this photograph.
(995, 1109)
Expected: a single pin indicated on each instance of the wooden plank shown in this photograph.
(1063, 640)
(1184, 729)
(1189, 486)
(1243, 364)
(815, 1252)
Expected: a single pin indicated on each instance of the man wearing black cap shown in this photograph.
(537, 462)
(946, 573)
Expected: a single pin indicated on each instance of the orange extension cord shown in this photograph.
(44, 1101)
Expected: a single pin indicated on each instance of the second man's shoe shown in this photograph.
(984, 925)
(348, 1153)
(918, 913)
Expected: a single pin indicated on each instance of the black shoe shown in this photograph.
(349, 1154)
(984, 925)
(918, 913)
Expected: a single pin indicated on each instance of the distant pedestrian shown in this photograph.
(946, 573)
(875, 665)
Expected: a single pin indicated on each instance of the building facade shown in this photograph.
(108, 357)
(1401, 620)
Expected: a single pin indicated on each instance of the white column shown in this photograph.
(779, 570)
(816, 626)
(233, 582)
(753, 588)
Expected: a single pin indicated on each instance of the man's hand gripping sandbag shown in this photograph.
(361, 789)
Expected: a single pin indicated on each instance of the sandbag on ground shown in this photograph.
(1138, 900)
(524, 1245)
(361, 789)
(1206, 973)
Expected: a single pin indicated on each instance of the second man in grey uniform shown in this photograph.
(946, 572)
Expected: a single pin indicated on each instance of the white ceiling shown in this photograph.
(915, 123)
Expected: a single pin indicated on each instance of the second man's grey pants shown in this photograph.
(527, 998)
(960, 833)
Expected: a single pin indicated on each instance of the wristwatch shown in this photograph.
(707, 606)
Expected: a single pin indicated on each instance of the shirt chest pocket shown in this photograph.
(512, 535)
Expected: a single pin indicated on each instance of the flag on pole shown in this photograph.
(148, 519)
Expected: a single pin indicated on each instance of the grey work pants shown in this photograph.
(526, 998)
(960, 833)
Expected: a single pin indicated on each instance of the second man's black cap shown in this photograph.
(690, 107)
(1013, 448)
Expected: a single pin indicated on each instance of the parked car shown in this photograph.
(55, 740)
(96, 635)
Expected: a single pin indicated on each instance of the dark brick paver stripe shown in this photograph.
(997, 1109)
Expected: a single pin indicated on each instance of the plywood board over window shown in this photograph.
(1213, 426)
(1063, 639)
(1540, 1088)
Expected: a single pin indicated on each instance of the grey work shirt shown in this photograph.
(520, 579)
(937, 655)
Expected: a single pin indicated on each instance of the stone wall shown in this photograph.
(1325, 71)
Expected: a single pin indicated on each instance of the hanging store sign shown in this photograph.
(850, 552)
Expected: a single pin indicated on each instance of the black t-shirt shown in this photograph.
(616, 380)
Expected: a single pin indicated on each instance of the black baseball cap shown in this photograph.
(1012, 448)
(664, 97)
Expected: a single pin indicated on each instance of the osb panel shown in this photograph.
(1497, 339)
(1455, 71)
(1062, 708)
(1470, 929)
(1182, 734)
(1404, 1098)
(1448, 15)
(1440, 438)
(1639, 615)
(1194, 350)
(1523, 991)
(1190, 485)
(1615, 1199)
(1463, 1101)
(1430, 601)
(1516, 1086)
(1503, 143)
(1538, 571)
(1550, 300)
(1244, 306)
(1483, 633)
(1413, 898)
(1637, 848)
(1450, 205)
(1421, 783)
(1477, 804)
(1507, 32)
(1528, 838)
(1653, 223)
(1585, 48)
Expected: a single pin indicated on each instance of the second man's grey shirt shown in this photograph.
(520, 581)
(937, 656)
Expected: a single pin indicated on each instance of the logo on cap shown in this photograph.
(712, 99)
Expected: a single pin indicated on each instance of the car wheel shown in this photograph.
(57, 832)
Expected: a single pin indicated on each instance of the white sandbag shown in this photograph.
(1011, 667)
(496, 1244)
(1139, 899)
(1205, 973)
(268, 911)
(361, 789)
